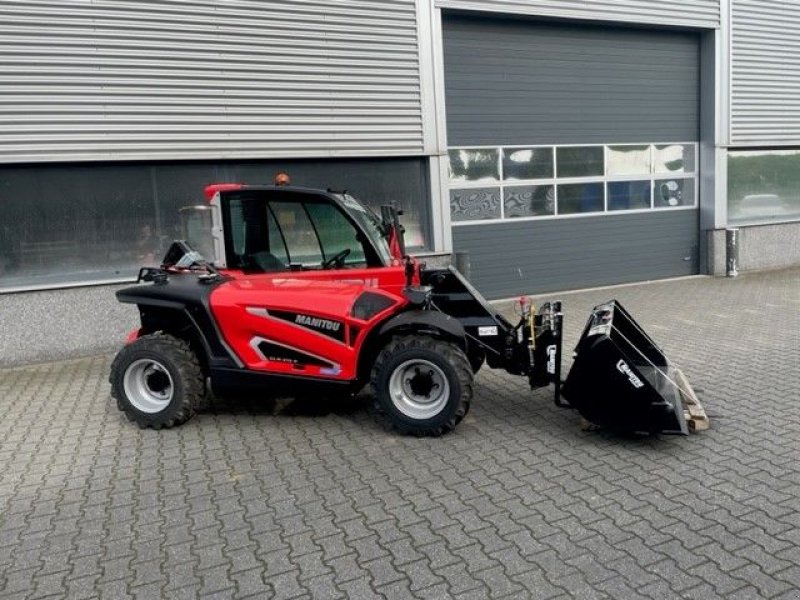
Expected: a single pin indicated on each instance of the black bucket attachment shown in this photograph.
(621, 380)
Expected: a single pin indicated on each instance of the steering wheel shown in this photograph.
(337, 260)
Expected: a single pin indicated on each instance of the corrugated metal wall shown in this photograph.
(158, 79)
(765, 72)
(689, 13)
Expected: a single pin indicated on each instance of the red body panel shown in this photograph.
(258, 311)
(212, 190)
(388, 279)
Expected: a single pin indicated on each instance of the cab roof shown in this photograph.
(211, 190)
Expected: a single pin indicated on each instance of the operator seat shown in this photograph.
(266, 262)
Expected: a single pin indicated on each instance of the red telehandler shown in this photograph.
(310, 292)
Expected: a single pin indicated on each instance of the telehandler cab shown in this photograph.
(309, 291)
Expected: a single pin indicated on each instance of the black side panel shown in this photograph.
(189, 295)
(483, 325)
(454, 295)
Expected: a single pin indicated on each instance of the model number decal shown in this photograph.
(487, 331)
(623, 368)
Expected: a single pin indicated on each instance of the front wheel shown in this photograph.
(157, 381)
(423, 385)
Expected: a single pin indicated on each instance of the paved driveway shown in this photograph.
(279, 500)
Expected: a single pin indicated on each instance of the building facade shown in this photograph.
(561, 143)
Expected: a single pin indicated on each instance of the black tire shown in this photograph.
(413, 365)
(157, 381)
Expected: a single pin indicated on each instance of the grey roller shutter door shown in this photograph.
(527, 257)
(686, 13)
(514, 82)
(511, 82)
(166, 79)
(765, 72)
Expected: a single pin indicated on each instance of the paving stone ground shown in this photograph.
(280, 500)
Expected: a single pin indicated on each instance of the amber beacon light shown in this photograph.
(281, 178)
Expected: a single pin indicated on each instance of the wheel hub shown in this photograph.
(157, 381)
(422, 383)
(419, 388)
(148, 385)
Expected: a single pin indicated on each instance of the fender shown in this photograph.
(178, 303)
(422, 320)
(128, 297)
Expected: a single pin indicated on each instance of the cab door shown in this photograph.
(317, 235)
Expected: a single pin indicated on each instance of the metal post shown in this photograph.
(558, 330)
(732, 252)
(461, 262)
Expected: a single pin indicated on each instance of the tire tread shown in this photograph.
(450, 352)
(193, 389)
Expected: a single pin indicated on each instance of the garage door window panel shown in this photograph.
(473, 204)
(474, 165)
(580, 161)
(528, 163)
(674, 158)
(574, 198)
(672, 193)
(552, 181)
(628, 161)
(529, 201)
(629, 195)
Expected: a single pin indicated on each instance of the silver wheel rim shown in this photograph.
(148, 385)
(419, 389)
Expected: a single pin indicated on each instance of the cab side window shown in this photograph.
(277, 246)
(268, 236)
(336, 233)
(301, 239)
(238, 224)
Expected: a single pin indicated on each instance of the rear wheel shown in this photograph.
(157, 381)
(423, 386)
